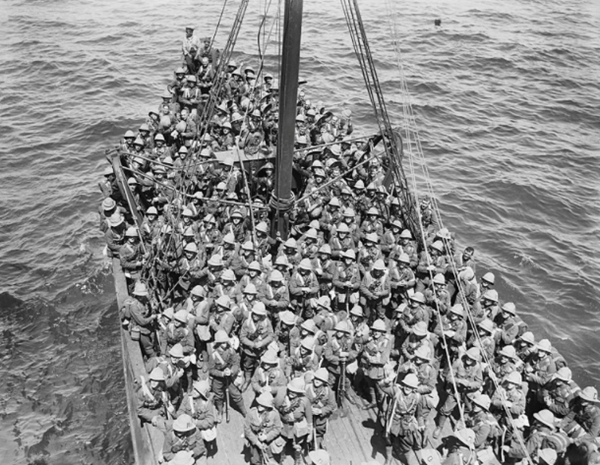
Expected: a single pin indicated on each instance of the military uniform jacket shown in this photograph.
(218, 361)
(276, 299)
(150, 402)
(458, 325)
(323, 398)
(586, 418)
(481, 424)
(542, 370)
(260, 333)
(131, 257)
(300, 365)
(192, 442)
(138, 314)
(516, 397)
(342, 274)
(270, 380)
(201, 410)
(376, 354)
(268, 422)
(366, 257)
(180, 335)
(405, 412)
(297, 282)
(338, 245)
(333, 348)
(468, 378)
(375, 289)
(557, 398)
(297, 411)
(221, 320)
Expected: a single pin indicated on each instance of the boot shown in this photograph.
(298, 459)
(247, 379)
(219, 416)
(388, 455)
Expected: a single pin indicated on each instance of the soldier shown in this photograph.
(151, 226)
(179, 332)
(452, 330)
(543, 426)
(461, 448)
(131, 255)
(255, 336)
(437, 296)
(525, 346)
(487, 307)
(287, 333)
(339, 353)
(375, 355)
(411, 315)
(136, 309)
(466, 378)
(153, 403)
(241, 261)
(296, 415)
(342, 241)
(417, 339)
(409, 247)
(404, 420)
(226, 286)
(404, 280)
(275, 295)
(558, 394)
(346, 280)
(324, 268)
(115, 235)
(422, 366)
(223, 367)
(199, 406)
(484, 340)
(359, 327)
(303, 288)
(509, 399)
(507, 324)
(303, 358)
(221, 317)
(486, 283)
(269, 376)
(262, 430)
(322, 400)
(190, 268)
(184, 436)
(375, 291)
(538, 371)
(583, 422)
(370, 253)
(503, 365)
(483, 424)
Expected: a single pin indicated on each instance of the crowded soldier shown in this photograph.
(351, 308)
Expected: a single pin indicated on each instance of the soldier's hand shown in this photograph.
(262, 437)
(227, 371)
(155, 420)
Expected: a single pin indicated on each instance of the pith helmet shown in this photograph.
(250, 289)
(290, 243)
(514, 378)
(140, 289)
(116, 219)
(297, 385)
(169, 313)
(404, 258)
(373, 211)
(221, 337)
(357, 311)
(276, 276)
(342, 327)
(322, 374)
(487, 325)
(176, 351)
(183, 457)
(437, 245)
(181, 315)
(191, 248)
(269, 357)
(379, 325)
(474, 353)
(287, 317)
(265, 399)
(545, 346)
(439, 279)
(349, 254)
(254, 266)
(458, 310)
(418, 297)
(379, 265)
(183, 423)
(483, 400)
(309, 325)
(319, 457)
(372, 237)
(305, 264)
(489, 277)
(223, 301)
(215, 260)
(509, 352)
(308, 343)
(589, 394)
(406, 234)
(509, 307)
(528, 337)
(490, 294)
(259, 309)
(152, 211)
(131, 232)
(199, 291)
(108, 204)
(311, 234)
(343, 228)
(564, 374)
(411, 381)
(228, 275)
(545, 417)
(423, 353)
(157, 374)
(325, 249)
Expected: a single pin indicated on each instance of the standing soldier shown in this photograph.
(466, 375)
(262, 430)
(339, 352)
(136, 309)
(303, 287)
(296, 415)
(342, 241)
(221, 317)
(303, 359)
(404, 420)
(131, 255)
(223, 367)
(275, 295)
(452, 330)
(184, 436)
(322, 400)
(405, 279)
(255, 335)
(346, 280)
(375, 355)
(375, 291)
(324, 268)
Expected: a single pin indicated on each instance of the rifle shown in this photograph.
(227, 400)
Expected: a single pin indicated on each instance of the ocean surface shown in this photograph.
(507, 100)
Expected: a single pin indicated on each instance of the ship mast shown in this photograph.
(288, 90)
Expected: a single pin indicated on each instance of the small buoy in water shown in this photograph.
(437, 22)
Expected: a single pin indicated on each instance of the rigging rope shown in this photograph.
(413, 141)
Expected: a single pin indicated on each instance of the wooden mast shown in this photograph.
(288, 91)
